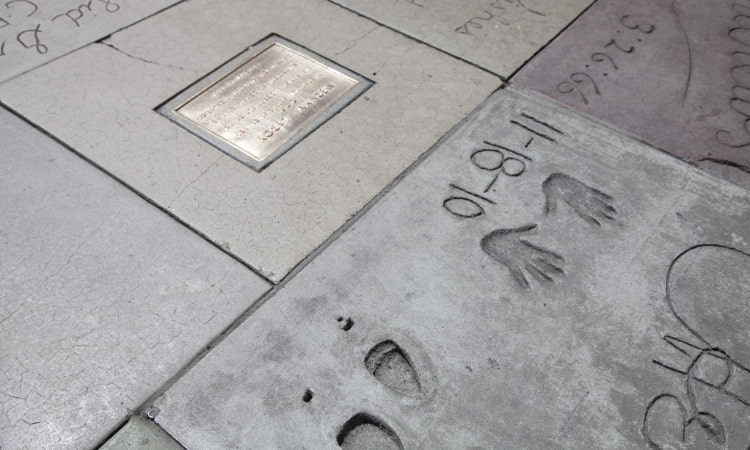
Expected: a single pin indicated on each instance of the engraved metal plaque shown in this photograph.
(256, 108)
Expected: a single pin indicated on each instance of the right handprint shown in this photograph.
(592, 205)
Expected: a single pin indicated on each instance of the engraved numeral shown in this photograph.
(643, 28)
(580, 77)
(617, 46)
(601, 57)
(566, 87)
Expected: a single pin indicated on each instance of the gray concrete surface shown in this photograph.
(671, 72)
(103, 298)
(141, 434)
(33, 32)
(273, 219)
(539, 281)
(499, 35)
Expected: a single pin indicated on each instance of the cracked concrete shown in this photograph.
(355, 41)
(499, 36)
(141, 434)
(105, 298)
(106, 43)
(296, 203)
(537, 280)
(33, 33)
(407, 333)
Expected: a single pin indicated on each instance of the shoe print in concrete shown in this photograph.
(499, 35)
(539, 281)
(103, 298)
(33, 32)
(101, 100)
(670, 72)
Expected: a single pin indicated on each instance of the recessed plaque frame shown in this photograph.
(264, 101)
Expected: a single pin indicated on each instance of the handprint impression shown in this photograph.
(509, 249)
(592, 205)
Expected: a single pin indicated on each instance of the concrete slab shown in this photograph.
(671, 72)
(101, 101)
(529, 317)
(33, 32)
(103, 298)
(141, 434)
(499, 35)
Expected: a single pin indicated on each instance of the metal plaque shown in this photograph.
(258, 109)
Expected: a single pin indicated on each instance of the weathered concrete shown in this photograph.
(499, 35)
(103, 298)
(141, 434)
(671, 72)
(532, 324)
(33, 32)
(273, 219)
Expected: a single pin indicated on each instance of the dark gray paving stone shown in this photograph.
(412, 331)
(671, 72)
(103, 298)
(33, 32)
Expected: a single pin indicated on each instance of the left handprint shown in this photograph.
(521, 257)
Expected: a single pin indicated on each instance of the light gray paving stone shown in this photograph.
(103, 298)
(671, 72)
(411, 331)
(499, 35)
(141, 434)
(33, 32)
(101, 102)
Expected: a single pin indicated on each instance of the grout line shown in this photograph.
(124, 423)
(415, 39)
(136, 192)
(274, 288)
(97, 41)
(120, 425)
(168, 434)
(305, 262)
(544, 47)
(615, 129)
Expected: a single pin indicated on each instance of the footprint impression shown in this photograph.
(394, 368)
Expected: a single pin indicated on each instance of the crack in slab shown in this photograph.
(137, 58)
(13, 313)
(204, 172)
(357, 40)
(57, 272)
